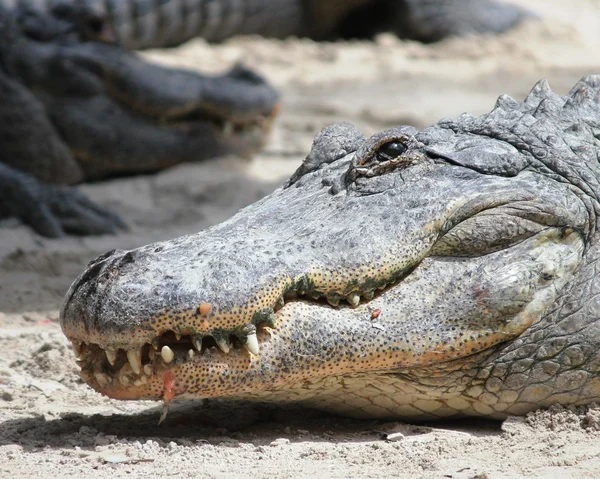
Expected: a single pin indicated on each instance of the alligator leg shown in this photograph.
(28, 141)
(50, 210)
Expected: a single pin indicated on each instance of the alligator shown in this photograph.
(77, 107)
(144, 23)
(413, 274)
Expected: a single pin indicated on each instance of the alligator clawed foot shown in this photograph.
(54, 211)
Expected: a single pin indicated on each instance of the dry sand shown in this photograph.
(52, 425)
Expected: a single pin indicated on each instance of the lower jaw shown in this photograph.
(363, 395)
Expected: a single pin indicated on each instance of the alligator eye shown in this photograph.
(95, 24)
(390, 151)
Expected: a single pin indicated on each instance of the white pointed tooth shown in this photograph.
(222, 344)
(353, 299)
(167, 354)
(197, 341)
(103, 379)
(177, 336)
(111, 355)
(382, 287)
(148, 369)
(191, 353)
(134, 356)
(124, 380)
(252, 344)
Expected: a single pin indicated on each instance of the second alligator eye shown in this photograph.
(390, 151)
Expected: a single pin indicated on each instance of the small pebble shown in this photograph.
(280, 442)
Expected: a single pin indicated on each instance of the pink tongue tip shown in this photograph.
(168, 395)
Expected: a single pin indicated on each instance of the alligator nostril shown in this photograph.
(126, 259)
(102, 257)
(92, 272)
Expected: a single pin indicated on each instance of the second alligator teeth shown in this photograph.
(252, 344)
(111, 356)
(353, 299)
(134, 356)
(167, 354)
(223, 344)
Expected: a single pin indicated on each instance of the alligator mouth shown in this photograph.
(189, 119)
(125, 373)
(134, 367)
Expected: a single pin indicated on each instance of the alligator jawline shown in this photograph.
(134, 367)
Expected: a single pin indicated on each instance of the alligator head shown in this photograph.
(119, 113)
(418, 274)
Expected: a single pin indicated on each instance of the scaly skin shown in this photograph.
(459, 262)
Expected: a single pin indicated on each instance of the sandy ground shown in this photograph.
(52, 425)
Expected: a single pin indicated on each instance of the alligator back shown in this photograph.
(147, 24)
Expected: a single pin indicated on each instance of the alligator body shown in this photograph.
(74, 110)
(413, 274)
(143, 23)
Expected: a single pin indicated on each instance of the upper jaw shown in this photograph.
(339, 248)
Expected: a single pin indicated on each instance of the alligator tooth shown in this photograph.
(270, 320)
(155, 343)
(134, 356)
(111, 355)
(77, 349)
(124, 372)
(167, 354)
(353, 299)
(148, 369)
(191, 353)
(178, 336)
(197, 342)
(382, 287)
(335, 302)
(251, 344)
(280, 302)
(103, 379)
(223, 344)
(140, 381)
(369, 295)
